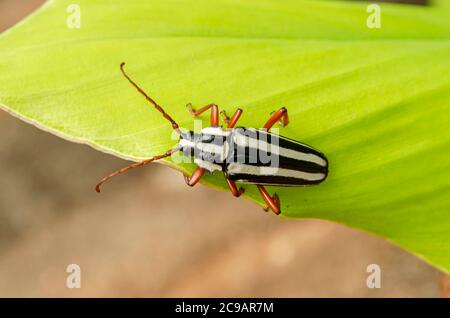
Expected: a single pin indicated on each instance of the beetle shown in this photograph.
(245, 155)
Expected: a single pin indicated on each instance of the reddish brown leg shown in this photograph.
(195, 177)
(280, 115)
(273, 202)
(233, 188)
(231, 122)
(214, 112)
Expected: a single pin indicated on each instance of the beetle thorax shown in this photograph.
(209, 148)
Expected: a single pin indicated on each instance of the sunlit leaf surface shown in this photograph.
(375, 101)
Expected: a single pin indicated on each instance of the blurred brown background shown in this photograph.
(151, 235)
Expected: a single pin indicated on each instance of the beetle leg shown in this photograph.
(280, 115)
(195, 177)
(233, 188)
(214, 112)
(231, 122)
(273, 202)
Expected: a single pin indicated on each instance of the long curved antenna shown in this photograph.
(134, 165)
(151, 100)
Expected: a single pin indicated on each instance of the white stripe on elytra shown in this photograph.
(246, 141)
(268, 133)
(237, 168)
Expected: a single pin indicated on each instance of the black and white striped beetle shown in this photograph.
(246, 155)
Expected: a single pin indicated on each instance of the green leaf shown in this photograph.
(375, 101)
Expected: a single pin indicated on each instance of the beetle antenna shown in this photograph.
(135, 165)
(151, 100)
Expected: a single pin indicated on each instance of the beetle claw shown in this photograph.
(190, 109)
(224, 116)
